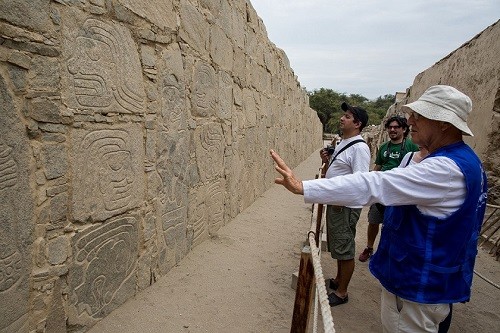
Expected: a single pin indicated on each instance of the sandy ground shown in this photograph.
(240, 280)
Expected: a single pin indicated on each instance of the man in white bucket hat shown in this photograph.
(428, 245)
(444, 103)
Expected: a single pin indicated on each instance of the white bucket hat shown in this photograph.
(444, 103)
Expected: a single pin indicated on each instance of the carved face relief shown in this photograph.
(105, 70)
(172, 112)
(204, 97)
(210, 147)
(92, 67)
(107, 172)
(105, 257)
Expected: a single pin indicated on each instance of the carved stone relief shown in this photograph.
(129, 134)
(197, 216)
(16, 216)
(107, 170)
(225, 105)
(104, 71)
(215, 205)
(102, 276)
(210, 146)
(203, 96)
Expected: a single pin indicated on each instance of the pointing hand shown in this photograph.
(289, 181)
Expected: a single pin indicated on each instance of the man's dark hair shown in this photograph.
(360, 115)
(401, 122)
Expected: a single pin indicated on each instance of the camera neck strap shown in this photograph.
(402, 150)
(344, 148)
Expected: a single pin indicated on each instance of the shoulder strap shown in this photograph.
(345, 147)
(409, 160)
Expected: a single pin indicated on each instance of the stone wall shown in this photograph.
(130, 132)
(474, 69)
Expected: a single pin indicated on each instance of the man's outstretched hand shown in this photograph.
(289, 181)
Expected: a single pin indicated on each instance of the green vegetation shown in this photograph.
(326, 102)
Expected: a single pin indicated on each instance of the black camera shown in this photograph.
(330, 149)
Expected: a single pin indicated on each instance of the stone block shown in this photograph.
(112, 84)
(44, 110)
(195, 29)
(204, 92)
(107, 169)
(54, 160)
(210, 150)
(58, 250)
(221, 48)
(17, 215)
(102, 274)
(34, 15)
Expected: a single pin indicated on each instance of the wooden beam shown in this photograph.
(304, 293)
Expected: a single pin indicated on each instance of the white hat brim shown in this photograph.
(436, 112)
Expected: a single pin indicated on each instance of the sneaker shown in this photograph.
(367, 253)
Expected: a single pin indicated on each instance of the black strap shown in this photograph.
(409, 160)
(402, 150)
(344, 148)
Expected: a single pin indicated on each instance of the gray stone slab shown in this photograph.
(102, 274)
(107, 169)
(103, 72)
(16, 216)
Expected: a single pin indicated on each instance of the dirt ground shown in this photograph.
(240, 280)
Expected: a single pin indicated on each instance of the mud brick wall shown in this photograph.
(130, 132)
(473, 68)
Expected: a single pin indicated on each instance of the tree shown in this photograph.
(326, 102)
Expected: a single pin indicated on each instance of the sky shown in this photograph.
(370, 47)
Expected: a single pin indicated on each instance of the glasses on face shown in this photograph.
(393, 127)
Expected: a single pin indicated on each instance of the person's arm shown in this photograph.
(377, 167)
(436, 186)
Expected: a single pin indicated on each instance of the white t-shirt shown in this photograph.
(355, 158)
(436, 185)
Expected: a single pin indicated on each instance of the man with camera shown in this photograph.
(389, 156)
(349, 156)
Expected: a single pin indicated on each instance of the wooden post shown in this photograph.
(304, 293)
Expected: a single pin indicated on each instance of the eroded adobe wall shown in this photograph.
(130, 132)
(474, 69)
